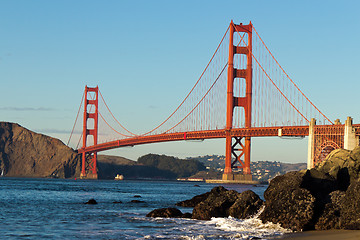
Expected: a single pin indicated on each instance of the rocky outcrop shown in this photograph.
(166, 213)
(217, 204)
(343, 165)
(247, 204)
(24, 153)
(330, 217)
(194, 201)
(91, 202)
(322, 198)
(316, 198)
(287, 203)
(220, 202)
(350, 207)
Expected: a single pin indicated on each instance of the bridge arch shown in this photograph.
(323, 151)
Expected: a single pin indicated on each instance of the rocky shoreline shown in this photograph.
(323, 198)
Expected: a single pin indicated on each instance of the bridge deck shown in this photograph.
(196, 135)
(290, 131)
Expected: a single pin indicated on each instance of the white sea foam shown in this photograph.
(246, 228)
(216, 228)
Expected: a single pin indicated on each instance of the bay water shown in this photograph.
(55, 209)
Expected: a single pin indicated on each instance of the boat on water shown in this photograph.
(119, 177)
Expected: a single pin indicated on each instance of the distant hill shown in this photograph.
(115, 160)
(150, 166)
(261, 170)
(110, 166)
(178, 167)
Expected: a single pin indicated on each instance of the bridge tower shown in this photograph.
(238, 146)
(90, 128)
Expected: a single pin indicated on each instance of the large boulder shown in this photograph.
(165, 213)
(194, 201)
(318, 183)
(350, 208)
(353, 164)
(287, 203)
(334, 160)
(330, 217)
(343, 165)
(247, 204)
(217, 204)
(316, 198)
(91, 201)
(221, 202)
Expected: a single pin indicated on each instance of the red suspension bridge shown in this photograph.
(243, 92)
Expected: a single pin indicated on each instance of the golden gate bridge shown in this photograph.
(243, 92)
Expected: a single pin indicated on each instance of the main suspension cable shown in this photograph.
(192, 88)
(116, 120)
(72, 131)
(290, 78)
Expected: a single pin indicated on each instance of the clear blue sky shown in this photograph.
(146, 55)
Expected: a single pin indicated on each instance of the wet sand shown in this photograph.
(324, 235)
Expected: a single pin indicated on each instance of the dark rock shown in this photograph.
(311, 199)
(137, 196)
(217, 204)
(165, 213)
(196, 185)
(355, 154)
(220, 202)
(247, 204)
(287, 203)
(194, 201)
(333, 162)
(343, 165)
(318, 183)
(350, 208)
(91, 201)
(117, 202)
(186, 215)
(136, 201)
(330, 217)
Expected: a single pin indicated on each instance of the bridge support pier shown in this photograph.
(237, 149)
(237, 100)
(88, 166)
(350, 139)
(311, 144)
(90, 129)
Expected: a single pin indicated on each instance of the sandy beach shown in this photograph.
(324, 235)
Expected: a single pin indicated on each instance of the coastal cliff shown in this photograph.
(24, 153)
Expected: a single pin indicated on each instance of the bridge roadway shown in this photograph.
(292, 131)
(286, 131)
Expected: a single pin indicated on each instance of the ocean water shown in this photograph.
(55, 209)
